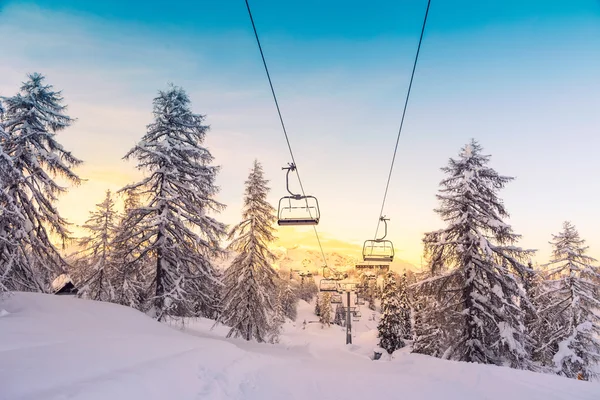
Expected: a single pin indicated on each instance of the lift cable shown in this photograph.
(281, 120)
(403, 115)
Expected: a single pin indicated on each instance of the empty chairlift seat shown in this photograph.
(298, 210)
(378, 250)
(328, 285)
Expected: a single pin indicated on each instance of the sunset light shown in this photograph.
(299, 200)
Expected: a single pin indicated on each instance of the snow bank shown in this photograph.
(57, 347)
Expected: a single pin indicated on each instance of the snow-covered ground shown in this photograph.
(59, 347)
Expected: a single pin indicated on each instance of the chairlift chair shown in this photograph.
(328, 285)
(297, 209)
(359, 301)
(381, 250)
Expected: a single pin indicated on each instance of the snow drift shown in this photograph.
(58, 347)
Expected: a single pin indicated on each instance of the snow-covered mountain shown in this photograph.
(300, 258)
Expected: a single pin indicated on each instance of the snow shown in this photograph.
(58, 347)
(60, 282)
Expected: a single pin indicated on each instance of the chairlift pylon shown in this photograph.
(381, 250)
(297, 209)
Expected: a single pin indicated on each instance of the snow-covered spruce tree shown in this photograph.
(406, 326)
(569, 303)
(288, 300)
(97, 253)
(318, 301)
(31, 121)
(250, 282)
(392, 325)
(130, 270)
(340, 316)
(476, 268)
(177, 236)
(325, 309)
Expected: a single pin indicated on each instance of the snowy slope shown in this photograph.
(59, 347)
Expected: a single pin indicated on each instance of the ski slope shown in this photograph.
(60, 347)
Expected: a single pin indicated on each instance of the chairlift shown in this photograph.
(336, 299)
(357, 314)
(297, 209)
(328, 285)
(379, 249)
(359, 301)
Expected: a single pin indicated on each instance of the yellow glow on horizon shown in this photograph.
(77, 203)
(304, 237)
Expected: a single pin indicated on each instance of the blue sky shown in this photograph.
(521, 77)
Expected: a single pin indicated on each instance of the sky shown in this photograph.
(520, 77)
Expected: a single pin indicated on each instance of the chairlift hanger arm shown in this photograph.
(385, 220)
(291, 167)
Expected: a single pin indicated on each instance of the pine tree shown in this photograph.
(250, 292)
(569, 305)
(404, 307)
(325, 309)
(371, 294)
(340, 316)
(318, 301)
(476, 268)
(99, 273)
(31, 120)
(178, 236)
(392, 326)
(130, 269)
(288, 300)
